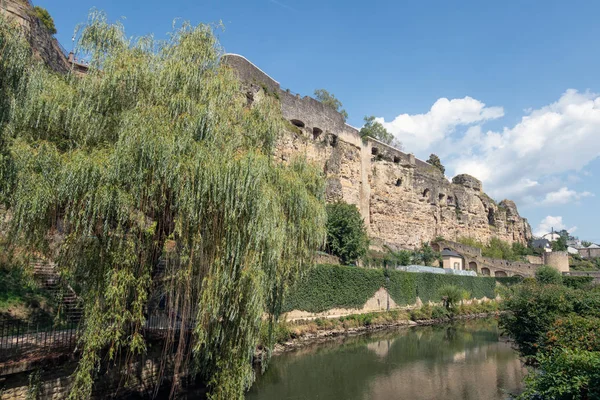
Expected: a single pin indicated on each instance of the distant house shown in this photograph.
(592, 251)
(452, 260)
(542, 244)
(552, 236)
(572, 250)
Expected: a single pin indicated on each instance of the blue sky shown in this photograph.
(505, 91)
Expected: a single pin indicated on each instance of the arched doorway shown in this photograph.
(485, 271)
(500, 274)
(473, 266)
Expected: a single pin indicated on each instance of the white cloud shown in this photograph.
(564, 196)
(527, 162)
(550, 222)
(420, 131)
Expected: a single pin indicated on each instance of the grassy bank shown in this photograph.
(297, 331)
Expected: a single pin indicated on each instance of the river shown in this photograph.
(466, 360)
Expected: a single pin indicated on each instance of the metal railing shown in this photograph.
(22, 339)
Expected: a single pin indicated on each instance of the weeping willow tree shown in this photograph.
(152, 173)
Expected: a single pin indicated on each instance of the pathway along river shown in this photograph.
(466, 360)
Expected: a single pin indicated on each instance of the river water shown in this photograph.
(466, 360)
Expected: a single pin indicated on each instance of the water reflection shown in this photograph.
(462, 361)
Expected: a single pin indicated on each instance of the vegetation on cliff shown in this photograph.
(330, 100)
(376, 130)
(556, 329)
(497, 248)
(154, 159)
(45, 18)
(436, 162)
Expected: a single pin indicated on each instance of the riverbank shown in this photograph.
(292, 336)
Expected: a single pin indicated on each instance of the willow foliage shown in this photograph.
(152, 177)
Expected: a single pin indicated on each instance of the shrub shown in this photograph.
(548, 276)
(45, 18)
(577, 282)
(451, 296)
(346, 233)
(533, 310)
(564, 374)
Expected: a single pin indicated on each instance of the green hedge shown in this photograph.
(509, 280)
(333, 286)
(577, 282)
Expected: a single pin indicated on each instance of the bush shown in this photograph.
(533, 310)
(548, 276)
(346, 233)
(451, 296)
(565, 374)
(577, 282)
(45, 18)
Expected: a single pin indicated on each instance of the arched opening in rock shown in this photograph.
(473, 266)
(334, 141)
(485, 271)
(316, 133)
(450, 201)
(397, 159)
(491, 217)
(426, 193)
(297, 122)
(374, 151)
(399, 182)
(441, 197)
(500, 274)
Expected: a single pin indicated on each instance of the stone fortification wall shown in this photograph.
(404, 200)
(589, 253)
(558, 260)
(492, 266)
(44, 45)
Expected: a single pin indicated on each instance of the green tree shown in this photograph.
(331, 101)
(585, 243)
(376, 130)
(560, 244)
(346, 233)
(547, 275)
(436, 162)
(45, 18)
(426, 255)
(155, 156)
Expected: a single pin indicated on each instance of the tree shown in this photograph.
(435, 161)
(426, 255)
(377, 131)
(547, 275)
(346, 233)
(331, 101)
(585, 243)
(45, 18)
(154, 159)
(560, 244)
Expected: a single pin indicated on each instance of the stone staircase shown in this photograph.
(49, 278)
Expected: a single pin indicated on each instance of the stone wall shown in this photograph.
(589, 253)
(54, 382)
(44, 45)
(403, 200)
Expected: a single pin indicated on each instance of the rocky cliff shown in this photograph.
(44, 45)
(403, 200)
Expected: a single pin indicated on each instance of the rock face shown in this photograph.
(44, 45)
(403, 200)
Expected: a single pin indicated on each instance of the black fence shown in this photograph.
(19, 339)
